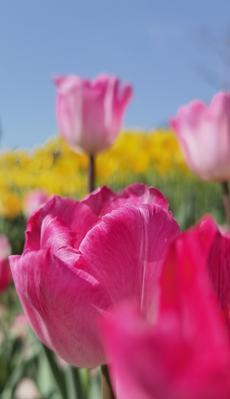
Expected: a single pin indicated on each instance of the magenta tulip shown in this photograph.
(204, 134)
(5, 273)
(186, 353)
(215, 246)
(33, 200)
(82, 258)
(90, 113)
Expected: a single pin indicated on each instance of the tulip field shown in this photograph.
(115, 253)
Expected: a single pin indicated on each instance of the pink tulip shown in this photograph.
(19, 326)
(204, 134)
(186, 353)
(81, 258)
(5, 273)
(215, 246)
(90, 113)
(33, 200)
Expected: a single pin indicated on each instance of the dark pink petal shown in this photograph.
(124, 252)
(205, 233)
(99, 199)
(103, 200)
(5, 274)
(186, 290)
(137, 194)
(164, 361)
(185, 354)
(80, 216)
(75, 215)
(215, 249)
(59, 299)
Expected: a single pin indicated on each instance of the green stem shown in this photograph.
(92, 173)
(74, 384)
(106, 387)
(56, 372)
(226, 201)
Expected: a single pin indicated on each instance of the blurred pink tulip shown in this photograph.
(26, 389)
(5, 273)
(186, 353)
(81, 258)
(204, 134)
(90, 113)
(215, 246)
(33, 200)
(19, 326)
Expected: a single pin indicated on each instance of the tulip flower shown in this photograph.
(215, 246)
(185, 353)
(204, 134)
(90, 113)
(83, 257)
(5, 273)
(33, 200)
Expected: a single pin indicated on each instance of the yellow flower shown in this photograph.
(10, 204)
(57, 169)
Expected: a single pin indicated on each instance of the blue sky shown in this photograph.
(168, 50)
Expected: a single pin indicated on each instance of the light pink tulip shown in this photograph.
(81, 258)
(186, 353)
(19, 326)
(5, 273)
(90, 113)
(33, 200)
(204, 134)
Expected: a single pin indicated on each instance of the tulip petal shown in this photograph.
(103, 200)
(215, 249)
(90, 113)
(75, 215)
(59, 300)
(5, 274)
(130, 243)
(137, 194)
(186, 353)
(204, 134)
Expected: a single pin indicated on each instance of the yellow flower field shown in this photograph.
(57, 169)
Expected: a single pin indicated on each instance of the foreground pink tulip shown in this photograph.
(215, 246)
(90, 113)
(204, 134)
(186, 353)
(5, 273)
(33, 200)
(81, 258)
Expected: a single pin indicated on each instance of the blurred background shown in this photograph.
(171, 52)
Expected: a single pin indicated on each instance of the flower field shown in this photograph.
(108, 254)
(57, 169)
(151, 157)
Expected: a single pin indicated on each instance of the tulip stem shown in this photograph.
(226, 200)
(74, 384)
(56, 372)
(92, 173)
(106, 387)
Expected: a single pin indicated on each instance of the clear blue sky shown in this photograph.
(163, 47)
